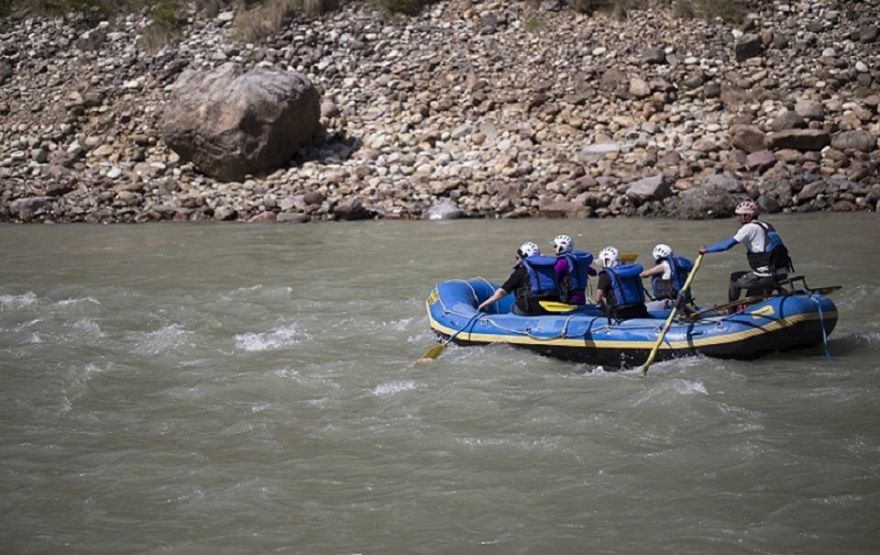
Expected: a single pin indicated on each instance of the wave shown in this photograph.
(280, 338)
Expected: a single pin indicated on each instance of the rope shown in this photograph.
(822, 325)
(527, 333)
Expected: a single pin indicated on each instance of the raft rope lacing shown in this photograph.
(564, 333)
(527, 333)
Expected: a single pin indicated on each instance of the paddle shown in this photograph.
(758, 298)
(680, 300)
(715, 310)
(435, 351)
(556, 306)
(824, 290)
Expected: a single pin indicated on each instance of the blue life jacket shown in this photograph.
(576, 278)
(669, 288)
(542, 276)
(626, 285)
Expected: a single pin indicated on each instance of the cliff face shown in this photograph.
(495, 109)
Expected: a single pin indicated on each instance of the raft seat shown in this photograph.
(787, 286)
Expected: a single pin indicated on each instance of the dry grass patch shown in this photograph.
(255, 22)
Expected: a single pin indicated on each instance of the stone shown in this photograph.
(232, 122)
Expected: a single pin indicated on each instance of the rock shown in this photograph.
(352, 209)
(649, 188)
(748, 138)
(810, 109)
(748, 46)
(760, 161)
(233, 122)
(858, 139)
(25, 208)
(799, 139)
(638, 88)
(788, 119)
(5, 72)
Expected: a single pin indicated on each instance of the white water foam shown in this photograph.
(394, 387)
(279, 338)
(167, 338)
(17, 302)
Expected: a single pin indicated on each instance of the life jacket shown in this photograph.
(669, 288)
(575, 280)
(775, 255)
(626, 285)
(542, 277)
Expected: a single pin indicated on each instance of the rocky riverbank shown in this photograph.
(485, 109)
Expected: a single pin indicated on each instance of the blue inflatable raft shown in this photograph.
(798, 319)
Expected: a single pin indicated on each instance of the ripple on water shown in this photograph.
(278, 338)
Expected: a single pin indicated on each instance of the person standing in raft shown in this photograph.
(571, 268)
(619, 291)
(667, 277)
(519, 283)
(767, 256)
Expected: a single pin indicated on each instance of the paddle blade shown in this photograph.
(825, 290)
(628, 257)
(433, 352)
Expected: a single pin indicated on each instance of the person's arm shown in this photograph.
(658, 269)
(516, 278)
(499, 294)
(719, 246)
(604, 281)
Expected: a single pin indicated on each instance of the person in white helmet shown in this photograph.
(619, 289)
(519, 283)
(767, 256)
(667, 277)
(572, 269)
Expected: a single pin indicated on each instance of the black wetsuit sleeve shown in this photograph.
(516, 280)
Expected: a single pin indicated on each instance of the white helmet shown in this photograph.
(528, 249)
(662, 251)
(562, 244)
(747, 207)
(609, 257)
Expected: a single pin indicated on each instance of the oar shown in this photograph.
(748, 301)
(824, 290)
(435, 351)
(678, 302)
(717, 310)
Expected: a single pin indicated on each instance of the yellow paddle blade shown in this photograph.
(433, 352)
(628, 257)
(556, 306)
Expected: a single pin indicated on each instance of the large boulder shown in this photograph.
(715, 198)
(231, 122)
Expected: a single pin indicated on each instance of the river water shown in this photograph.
(241, 389)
